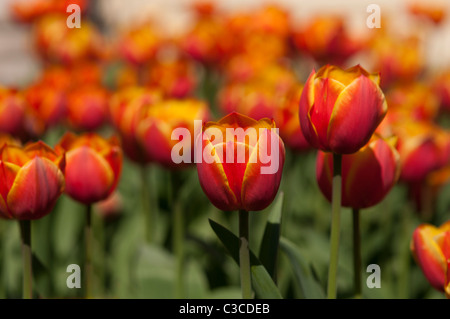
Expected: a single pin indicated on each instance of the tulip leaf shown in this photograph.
(262, 283)
(268, 252)
(309, 286)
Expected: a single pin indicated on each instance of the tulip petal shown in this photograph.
(359, 109)
(35, 190)
(429, 256)
(158, 145)
(324, 173)
(8, 172)
(258, 189)
(89, 177)
(305, 105)
(214, 182)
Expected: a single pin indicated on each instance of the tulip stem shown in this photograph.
(335, 226)
(147, 210)
(357, 253)
(178, 248)
(88, 261)
(244, 255)
(25, 233)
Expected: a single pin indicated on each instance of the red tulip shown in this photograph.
(87, 107)
(31, 180)
(161, 119)
(340, 109)
(430, 246)
(140, 44)
(232, 182)
(93, 166)
(367, 175)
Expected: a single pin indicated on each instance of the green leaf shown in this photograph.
(263, 284)
(268, 253)
(309, 286)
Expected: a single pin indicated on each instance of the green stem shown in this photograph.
(178, 248)
(147, 210)
(357, 253)
(244, 255)
(88, 251)
(335, 226)
(25, 233)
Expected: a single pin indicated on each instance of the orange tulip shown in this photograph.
(340, 109)
(28, 11)
(8, 140)
(430, 246)
(31, 180)
(93, 166)
(127, 108)
(12, 111)
(367, 175)
(231, 182)
(87, 107)
(433, 12)
(140, 44)
(161, 119)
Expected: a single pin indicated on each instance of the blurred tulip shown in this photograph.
(155, 129)
(31, 180)
(415, 101)
(8, 140)
(87, 107)
(236, 184)
(441, 87)
(430, 246)
(93, 166)
(111, 207)
(140, 44)
(340, 109)
(367, 175)
(423, 148)
(29, 10)
(176, 78)
(12, 111)
(327, 40)
(58, 43)
(127, 108)
(430, 11)
(398, 60)
(286, 117)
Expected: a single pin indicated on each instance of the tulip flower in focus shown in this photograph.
(31, 180)
(12, 111)
(340, 109)
(235, 185)
(367, 175)
(127, 108)
(87, 107)
(93, 166)
(430, 247)
(161, 119)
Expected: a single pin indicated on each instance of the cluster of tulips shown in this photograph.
(110, 102)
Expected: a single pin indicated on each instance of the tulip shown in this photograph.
(161, 119)
(441, 87)
(12, 111)
(93, 166)
(367, 175)
(236, 185)
(235, 178)
(8, 140)
(140, 44)
(29, 11)
(432, 12)
(93, 169)
(340, 109)
(87, 107)
(31, 182)
(127, 108)
(430, 247)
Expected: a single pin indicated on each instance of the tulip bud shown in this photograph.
(93, 166)
(234, 171)
(430, 247)
(31, 180)
(367, 175)
(340, 109)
